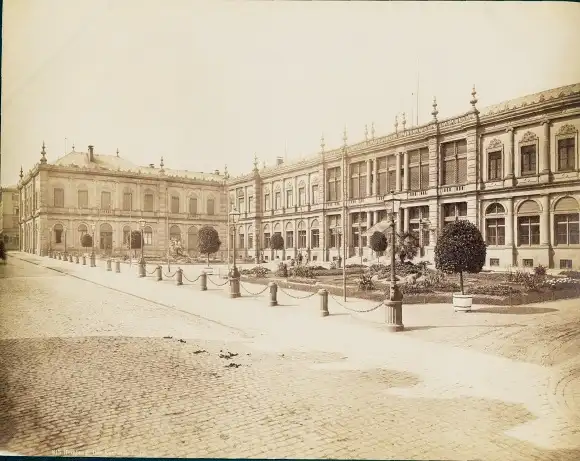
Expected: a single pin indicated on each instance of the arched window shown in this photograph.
(82, 230)
(528, 223)
(175, 233)
(289, 235)
(127, 236)
(147, 236)
(302, 235)
(566, 222)
(314, 234)
(241, 237)
(250, 236)
(495, 224)
(57, 231)
(267, 236)
(106, 236)
(192, 240)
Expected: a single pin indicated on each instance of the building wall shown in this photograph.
(40, 220)
(539, 122)
(9, 217)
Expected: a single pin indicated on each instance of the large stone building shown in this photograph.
(512, 168)
(9, 200)
(108, 196)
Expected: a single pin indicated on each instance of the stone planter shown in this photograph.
(462, 303)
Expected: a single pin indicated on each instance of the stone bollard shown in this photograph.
(84, 260)
(323, 302)
(159, 273)
(273, 293)
(235, 287)
(142, 269)
(109, 268)
(203, 281)
(118, 267)
(178, 276)
(77, 259)
(70, 258)
(93, 262)
(59, 258)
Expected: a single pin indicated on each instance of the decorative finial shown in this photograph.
(161, 164)
(73, 146)
(373, 130)
(366, 133)
(404, 121)
(21, 173)
(226, 174)
(435, 111)
(473, 99)
(117, 151)
(43, 153)
(264, 164)
(396, 123)
(255, 162)
(322, 143)
(344, 137)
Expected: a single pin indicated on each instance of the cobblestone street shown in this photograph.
(90, 369)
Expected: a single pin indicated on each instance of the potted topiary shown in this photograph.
(460, 248)
(208, 243)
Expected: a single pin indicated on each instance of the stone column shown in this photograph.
(544, 164)
(398, 172)
(376, 178)
(295, 192)
(406, 221)
(375, 217)
(369, 175)
(545, 220)
(509, 223)
(369, 220)
(509, 156)
(406, 181)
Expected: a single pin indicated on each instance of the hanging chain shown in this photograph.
(355, 310)
(254, 294)
(217, 284)
(190, 281)
(296, 297)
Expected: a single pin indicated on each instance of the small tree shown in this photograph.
(460, 248)
(208, 241)
(277, 243)
(87, 241)
(407, 246)
(378, 243)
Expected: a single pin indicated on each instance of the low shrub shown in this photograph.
(258, 271)
(282, 270)
(355, 266)
(416, 288)
(572, 274)
(318, 268)
(493, 290)
(302, 272)
(365, 283)
(540, 271)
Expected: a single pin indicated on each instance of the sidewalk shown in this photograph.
(296, 325)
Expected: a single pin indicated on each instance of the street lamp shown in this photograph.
(394, 305)
(234, 274)
(93, 264)
(142, 262)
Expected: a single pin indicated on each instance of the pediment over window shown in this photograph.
(567, 129)
(495, 143)
(529, 136)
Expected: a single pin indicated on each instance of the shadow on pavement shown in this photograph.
(514, 310)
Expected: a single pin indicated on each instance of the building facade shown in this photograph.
(108, 197)
(512, 169)
(9, 215)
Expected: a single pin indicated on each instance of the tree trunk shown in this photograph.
(461, 282)
(208, 260)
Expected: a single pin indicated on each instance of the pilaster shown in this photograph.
(545, 220)
(509, 159)
(544, 164)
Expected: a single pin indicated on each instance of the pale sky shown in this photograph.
(208, 83)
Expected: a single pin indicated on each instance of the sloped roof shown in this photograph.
(117, 163)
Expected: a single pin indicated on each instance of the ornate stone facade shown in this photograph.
(513, 169)
(62, 200)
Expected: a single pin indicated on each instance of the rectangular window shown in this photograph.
(126, 236)
(210, 206)
(528, 160)
(266, 240)
(288, 198)
(241, 241)
(250, 204)
(241, 204)
(193, 206)
(147, 236)
(83, 199)
(289, 239)
(419, 169)
(566, 154)
(277, 200)
(358, 180)
(301, 196)
(494, 262)
(528, 262)
(174, 204)
(495, 231)
(148, 202)
(333, 183)
(454, 162)
(567, 229)
(127, 201)
(314, 238)
(494, 166)
(301, 239)
(59, 198)
(314, 196)
(105, 200)
(565, 264)
(529, 230)
(266, 201)
(250, 240)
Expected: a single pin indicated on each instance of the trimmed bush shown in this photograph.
(135, 240)
(572, 274)
(87, 241)
(378, 242)
(208, 241)
(460, 248)
(540, 271)
(302, 272)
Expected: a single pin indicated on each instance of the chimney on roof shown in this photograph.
(216, 172)
(279, 161)
(91, 154)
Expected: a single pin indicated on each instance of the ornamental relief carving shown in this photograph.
(567, 129)
(529, 136)
(495, 143)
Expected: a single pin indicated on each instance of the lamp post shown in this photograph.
(93, 264)
(142, 261)
(394, 305)
(234, 274)
(50, 240)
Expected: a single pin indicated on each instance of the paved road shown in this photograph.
(89, 370)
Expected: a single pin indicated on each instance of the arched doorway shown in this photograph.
(192, 241)
(106, 237)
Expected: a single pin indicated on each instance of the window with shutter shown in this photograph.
(127, 201)
(148, 202)
(105, 200)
